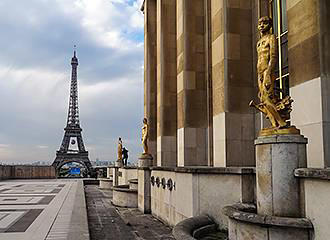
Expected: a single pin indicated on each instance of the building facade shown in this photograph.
(200, 74)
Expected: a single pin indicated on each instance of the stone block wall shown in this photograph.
(26, 172)
(197, 193)
(125, 174)
(6, 172)
(166, 83)
(233, 82)
(150, 72)
(315, 194)
(309, 67)
(203, 89)
(192, 119)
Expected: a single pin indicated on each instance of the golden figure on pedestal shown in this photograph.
(145, 136)
(120, 150)
(276, 110)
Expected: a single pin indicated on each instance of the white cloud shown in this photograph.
(108, 22)
(37, 39)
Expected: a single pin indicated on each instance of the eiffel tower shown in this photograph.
(72, 148)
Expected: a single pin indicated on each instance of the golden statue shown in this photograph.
(120, 150)
(276, 110)
(145, 136)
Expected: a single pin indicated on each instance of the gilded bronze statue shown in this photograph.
(145, 136)
(275, 109)
(120, 150)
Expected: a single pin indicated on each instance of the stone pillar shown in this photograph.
(166, 83)
(144, 184)
(278, 190)
(144, 190)
(150, 72)
(309, 68)
(119, 163)
(233, 83)
(191, 84)
(115, 172)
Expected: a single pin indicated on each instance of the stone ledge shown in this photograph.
(105, 179)
(294, 138)
(124, 188)
(144, 168)
(79, 220)
(91, 181)
(129, 167)
(317, 173)
(134, 180)
(185, 229)
(246, 213)
(208, 170)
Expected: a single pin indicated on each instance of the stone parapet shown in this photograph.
(183, 192)
(208, 170)
(245, 223)
(105, 183)
(26, 172)
(123, 196)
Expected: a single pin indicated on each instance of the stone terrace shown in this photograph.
(56, 210)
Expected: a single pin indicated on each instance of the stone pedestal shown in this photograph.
(119, 163)
(115, 172)
(145, 160)
(144, 185)
(277, 156)
(105, 183)
(278, 214)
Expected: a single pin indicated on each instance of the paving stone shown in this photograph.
(109, 222)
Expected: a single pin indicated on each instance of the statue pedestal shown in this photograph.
(144, 184)
(119, 163)
(278, 214)
(277, 156)
(145, 160)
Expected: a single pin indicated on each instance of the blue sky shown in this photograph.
(37, 38)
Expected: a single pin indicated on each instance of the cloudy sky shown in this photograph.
(36, 39)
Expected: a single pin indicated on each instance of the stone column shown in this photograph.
(233, 82)
(191, 83)
(115, 173)
(309, 68)
(150, 72)
(278, 191)
(166, 83)
(144, 184)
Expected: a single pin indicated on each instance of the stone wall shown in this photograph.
(166, 83)
(6, 172)
(126, 174)
(309, 67)
(150, 72)
(199, 191)
(315, 195)
(192, 119)
(26, 172)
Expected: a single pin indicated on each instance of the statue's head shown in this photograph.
(119, 139)
(264, 24)
(145, 120)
